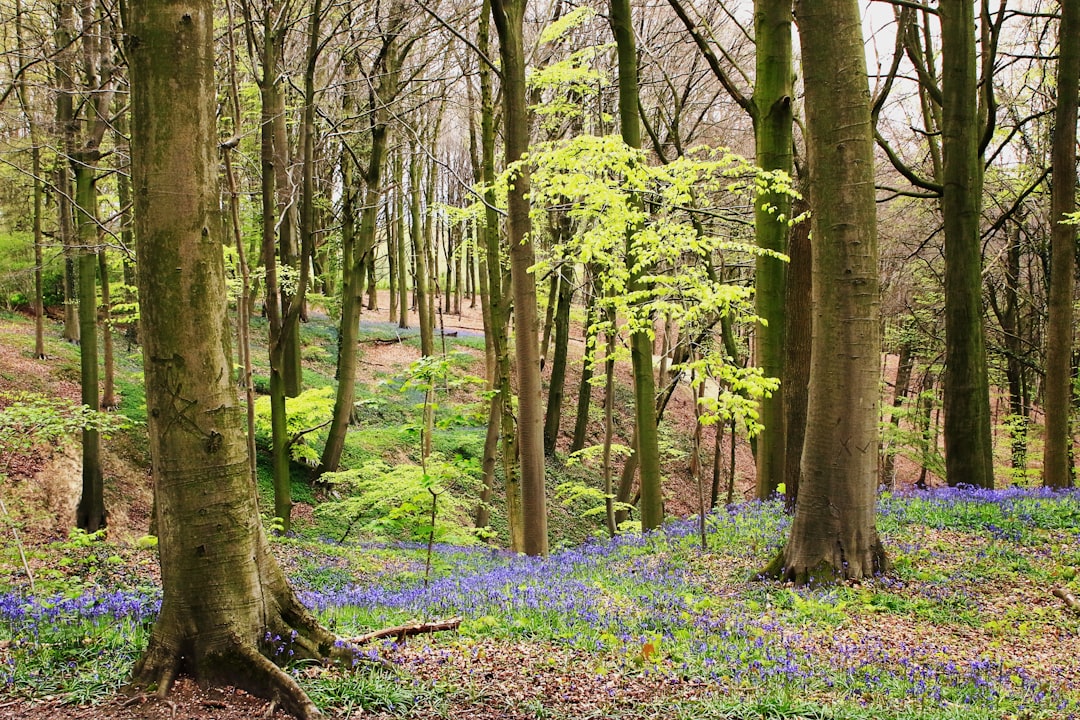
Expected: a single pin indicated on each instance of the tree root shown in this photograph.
(263, 678)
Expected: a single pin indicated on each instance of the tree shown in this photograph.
(641, 345)
(223, 591)
(509, 17)
(833, 534)
(770, 111)
(1057, 470)
(969, 452)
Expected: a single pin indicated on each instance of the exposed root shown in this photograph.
(259, 676)
(157, 669)
(825, 572)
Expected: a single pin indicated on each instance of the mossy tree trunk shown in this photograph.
(359, 248)
(969, 454)
(833, 534)
(772, 120)
(90, 514)
(501, 419)
(646, 449)
(557, 382)
(223, 591)
(1057, 461)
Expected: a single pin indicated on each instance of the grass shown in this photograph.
(652, 609)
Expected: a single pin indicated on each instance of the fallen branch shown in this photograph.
(403, 631)
(1068, 598)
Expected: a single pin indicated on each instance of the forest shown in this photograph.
(706, 359)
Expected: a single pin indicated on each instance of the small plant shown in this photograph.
(397, 502)
(307, 413)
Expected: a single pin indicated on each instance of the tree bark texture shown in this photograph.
(509, 16)
(969, 454)
(1056, 458)
(772, 118)
(641, 343)
(223, 591)
(833, 534)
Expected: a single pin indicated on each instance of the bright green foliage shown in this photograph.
(396, 502)
(693, 211)
(912, 437)
(306, 413)
(31, 420)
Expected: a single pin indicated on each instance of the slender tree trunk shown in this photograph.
(291, 368)
(360, 248)
(1057, 463)
(833, 535)
(641, 346)
(557, 383)
(108, 389)
(420, 255)
(90, 514)
(969, 453)
(402, 245)
(581, 419)
(39, 260)
(772, 117)
(276, 306)
(509, 17)
(35, 172)
(65, 121)
(612, 517)
(904, 365)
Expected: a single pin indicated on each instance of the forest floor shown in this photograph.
(967, 626)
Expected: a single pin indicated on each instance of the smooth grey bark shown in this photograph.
(833, 535)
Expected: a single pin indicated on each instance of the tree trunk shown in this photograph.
(108, 389)
(421, 286)
(65, 121)
(277, 308)
(557, 382)
(581, 419)
(509, 17)
(285, 215)
(402, 245)
(641, 347)
(1057, 463)
(968, 445)
(356, 250)
(833, 536)
(798, 341)
(223, 591)
(90, 514)
(904, 365)
(772, 117)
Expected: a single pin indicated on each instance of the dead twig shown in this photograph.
(403, 631)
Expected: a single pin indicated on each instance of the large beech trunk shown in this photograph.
(224, 593)
(833, 534)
